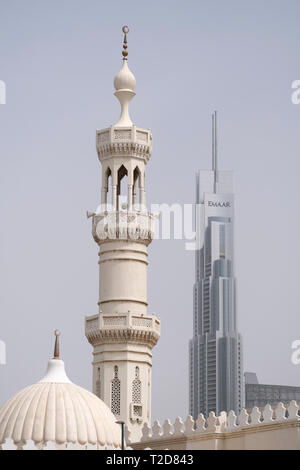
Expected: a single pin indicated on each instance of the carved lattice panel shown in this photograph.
(116, 393)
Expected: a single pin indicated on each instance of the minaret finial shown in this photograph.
(125, 30)
(124, 84)
(56, 346)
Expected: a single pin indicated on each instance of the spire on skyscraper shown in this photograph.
(215, 149)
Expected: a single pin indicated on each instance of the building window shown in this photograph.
(222, 242)
(116, 393)
(137, 388)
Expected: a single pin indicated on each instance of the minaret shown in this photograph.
(122, 333)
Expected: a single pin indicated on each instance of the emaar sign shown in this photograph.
(219, 204)
(296, 354)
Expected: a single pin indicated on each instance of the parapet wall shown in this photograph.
(268, 428)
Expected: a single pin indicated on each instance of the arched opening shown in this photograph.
(122, 187)
(136, 196)
(108, 187)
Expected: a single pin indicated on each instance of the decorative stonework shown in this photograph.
(125, 327)
(144, 322)
(117, 149)
(92, 324)
(143, 136)
(116, 393)
(115, 142)
(137, 388)
(102, 137)
(137, 226)
(122, 135)
(114, 321)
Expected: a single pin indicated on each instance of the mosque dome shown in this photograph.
(56, 410)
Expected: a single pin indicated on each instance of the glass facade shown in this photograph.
(215, 350)
(260, 394)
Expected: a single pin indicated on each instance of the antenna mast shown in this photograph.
(215, 150)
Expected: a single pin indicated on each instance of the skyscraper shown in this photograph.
(215, 351)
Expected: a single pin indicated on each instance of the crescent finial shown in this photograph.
(125, 30)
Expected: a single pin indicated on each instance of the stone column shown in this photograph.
(104, 199)
(143, 200)
(114, 197)
(129, 198)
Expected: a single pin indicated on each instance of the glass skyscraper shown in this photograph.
(215, 351)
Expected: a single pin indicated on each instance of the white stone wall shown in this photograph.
(123, 277)
(270, 428)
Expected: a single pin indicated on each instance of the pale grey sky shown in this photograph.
(58, 59)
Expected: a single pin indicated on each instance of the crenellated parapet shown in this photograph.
(259, 428)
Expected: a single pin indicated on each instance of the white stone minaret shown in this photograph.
(122, 333)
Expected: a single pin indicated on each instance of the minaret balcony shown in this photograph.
(123, 225)
(124, 141)
(112, 327)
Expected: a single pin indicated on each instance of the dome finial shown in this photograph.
(56, 346)
(125, 30)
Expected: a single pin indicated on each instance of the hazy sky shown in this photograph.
(58, 59)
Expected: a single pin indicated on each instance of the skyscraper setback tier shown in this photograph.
(216, 371)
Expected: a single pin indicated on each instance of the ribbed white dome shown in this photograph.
(125, 80)
(57, 410)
